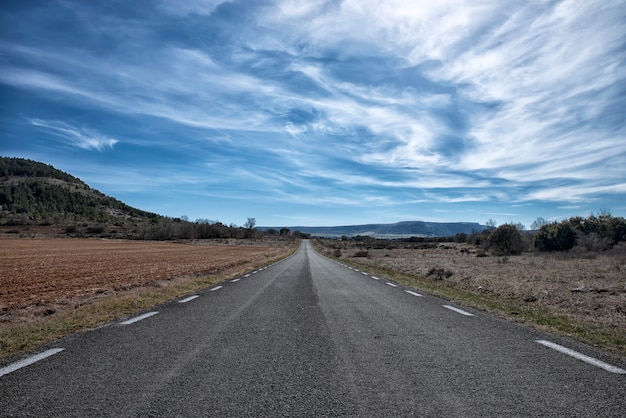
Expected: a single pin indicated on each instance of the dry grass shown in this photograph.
(582, 294)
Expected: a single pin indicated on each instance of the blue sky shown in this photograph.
(302, 112)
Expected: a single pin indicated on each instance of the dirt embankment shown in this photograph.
(39, 277)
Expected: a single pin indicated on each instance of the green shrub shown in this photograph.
(506, 240)
(556, 237)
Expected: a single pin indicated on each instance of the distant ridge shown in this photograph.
(395, 230)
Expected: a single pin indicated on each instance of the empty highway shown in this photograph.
(308, 337)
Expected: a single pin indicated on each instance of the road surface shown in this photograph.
(310, 337)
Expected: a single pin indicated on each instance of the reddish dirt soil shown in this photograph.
(41, 276)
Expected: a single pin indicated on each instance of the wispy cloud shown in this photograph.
(390, 102)
(84, 138)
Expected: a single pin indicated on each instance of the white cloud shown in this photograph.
(523, 86)
(84, 138)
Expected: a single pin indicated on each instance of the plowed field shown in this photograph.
(39, 277)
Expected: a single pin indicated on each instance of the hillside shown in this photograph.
(37, 200)
(395, 230)
(33, 192)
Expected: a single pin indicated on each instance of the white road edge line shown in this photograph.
(580, 356)
(375, 278)
(213, 289)
(138, 318)
(391, 284)
(28, 361)
(457, 310)
(410, 292)
(247, 275)
(189, 299)
(365, 274)
(234, 280)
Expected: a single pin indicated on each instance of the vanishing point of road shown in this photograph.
(308, 337)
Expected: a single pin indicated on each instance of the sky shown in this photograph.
(322, 113)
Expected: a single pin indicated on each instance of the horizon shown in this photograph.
(290, 112)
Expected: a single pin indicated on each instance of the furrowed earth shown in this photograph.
(42, 277)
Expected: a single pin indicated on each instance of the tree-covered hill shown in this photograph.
(38, 199)
(31, 191)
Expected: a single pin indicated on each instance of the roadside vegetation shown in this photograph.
(568, 277)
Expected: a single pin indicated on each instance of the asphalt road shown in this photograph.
(310, 337)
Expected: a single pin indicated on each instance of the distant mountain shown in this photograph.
(395, 230)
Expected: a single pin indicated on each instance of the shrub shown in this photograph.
(95, 229)
(556, 237)
(506, 240)
(439, 273)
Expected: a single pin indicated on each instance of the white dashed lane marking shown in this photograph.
(457, 310)
(28, 361)
(582, 357)
(189, 299)
(213, 289)
(391, 284)
(410, 292)
(138, 318)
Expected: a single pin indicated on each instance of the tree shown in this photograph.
(249, 228)
(520, 226)
(506, 240)
(491, 223)
(250, 223)
(538, 223)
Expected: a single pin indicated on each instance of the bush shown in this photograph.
(95, 229)
(439, 273)
(556, 237)
(506, 240)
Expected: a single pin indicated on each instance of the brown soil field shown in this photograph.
(40, 277)
(585, 288)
